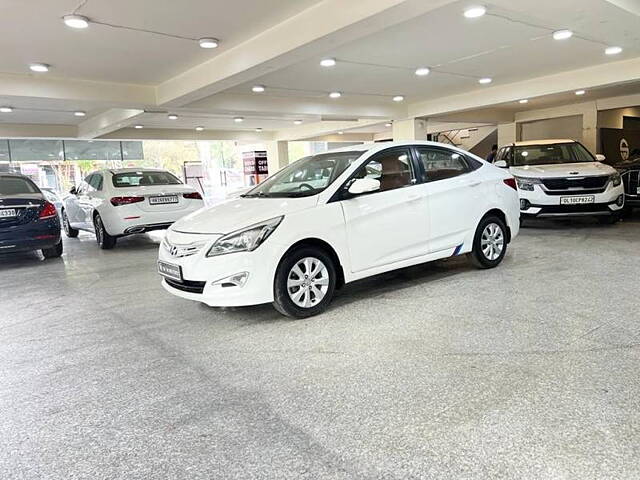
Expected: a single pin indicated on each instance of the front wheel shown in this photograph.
(489, 243)
(53, 252)
(105, 241)
(305, 282)
(68, 229)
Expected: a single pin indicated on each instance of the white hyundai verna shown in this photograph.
(560, 178)
(340, 216)
(118, 202)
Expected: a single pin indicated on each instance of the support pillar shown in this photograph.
(506, 134)
(409, 130)
(277, 155)
(590, 128)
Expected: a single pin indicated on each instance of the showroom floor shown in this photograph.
(527, 371)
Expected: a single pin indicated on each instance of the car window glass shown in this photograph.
(144, 178)
(16, 186)
(551, 154)
(96, 181)
(392, 169)
(441, 164)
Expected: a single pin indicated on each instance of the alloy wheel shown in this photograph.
(308, 282)
(99, 230)
(492, 241)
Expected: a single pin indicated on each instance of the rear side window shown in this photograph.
(96, 181)
(441, 164)
(16, 186)
(144, 178)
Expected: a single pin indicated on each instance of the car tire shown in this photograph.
(305, 282)
(489, 243)
(610, 220)
(53, 252)
(105, 241)
(68, 229)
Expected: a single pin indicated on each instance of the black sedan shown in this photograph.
(28, 221)
(630, 173)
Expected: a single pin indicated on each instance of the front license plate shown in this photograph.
(577, 200)
(170, 270)
(163, 200)
(7, 212)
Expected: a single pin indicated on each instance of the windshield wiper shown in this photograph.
(254, 195)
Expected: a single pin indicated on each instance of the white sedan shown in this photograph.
(336, 217)
(118, 202)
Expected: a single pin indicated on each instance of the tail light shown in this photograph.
(511, 182)
(118, 201)
(48, 211)
(192, 196)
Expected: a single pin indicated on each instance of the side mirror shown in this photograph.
(600, 157)
(73, 191)
(501, 164)
(364, 185)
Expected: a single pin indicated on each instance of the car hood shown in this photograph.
(238, 213)
(582, 169)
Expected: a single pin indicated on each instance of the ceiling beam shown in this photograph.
(107, 122)
(187, 134)
(32, 130)
(320, 129)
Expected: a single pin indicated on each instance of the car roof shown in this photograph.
(115, 171)
(375, 147)
(543, 142)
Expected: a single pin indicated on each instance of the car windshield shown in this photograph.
(144, 178)
(308, 176)
(551, 154)
(16, 186)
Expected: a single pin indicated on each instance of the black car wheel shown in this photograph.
(53, 252)
(105, 241)
(489, 243)
(68, 229)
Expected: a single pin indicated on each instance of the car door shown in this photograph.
(72, 206)
(93, 198)
(388, 225)
(84, 204)
(455, 195)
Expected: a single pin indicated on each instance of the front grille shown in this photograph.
(186, 250)
(564, 183)
(186, 285)
(631, 180)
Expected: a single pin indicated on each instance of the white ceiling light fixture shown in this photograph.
(485, 81)
(76, 21)
(80, 113)
(340, 132)
(423, 71)
(562, 34)
(258, 129)
(398, 98)
(209, 42)
(172, 116)
(39, 67)
(388, 125)
(298, 122)
(475, 12)
(199, 129)
(138, 127)
(580, 92)
(328, 62)
(258, 88)
(238, 119)
(6, 109)
(524, 100)
(335, 94)
(613, 50)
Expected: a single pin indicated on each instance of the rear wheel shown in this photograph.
(68, 229)
(305, 282)
(53, 252)
(489, 243)
(105, 241)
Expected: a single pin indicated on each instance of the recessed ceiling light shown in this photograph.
(422, 71)
(208, 42)
(475, 12)
(580, 92)
(328, 62)
(138, 126)
(39, 67)
(388, 124)
(398, 98)
(335, 94)
(199, 129)
(298, 122)
(238, 119)
(6, 109)
(613, 50)
(340, 132)
(80, 113)
(258, 129)
(76, 21)
(172, 116)
(258, 88)
(562, 34)
(485, 81)
(524, 100)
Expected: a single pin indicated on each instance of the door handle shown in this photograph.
(474, 184)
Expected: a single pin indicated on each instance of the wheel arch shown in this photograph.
(501, 215)
(327, 248)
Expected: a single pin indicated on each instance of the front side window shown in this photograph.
(308, 176)
(551, 154)
(96, 181)
(441, 164)
(16, 186)
(392, 169)
(143, 178)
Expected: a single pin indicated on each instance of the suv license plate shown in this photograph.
(163, 200)
(7, 212)
(577, 200)
(170, 270)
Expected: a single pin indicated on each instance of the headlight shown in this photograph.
(245, 240)
(616, 179)
(526, 183)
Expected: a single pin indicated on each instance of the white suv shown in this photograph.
(340, 216)
(560, 178)
(119, 202)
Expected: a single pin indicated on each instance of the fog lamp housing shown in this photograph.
(524, 204)
(620, 200)
(235, 280)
